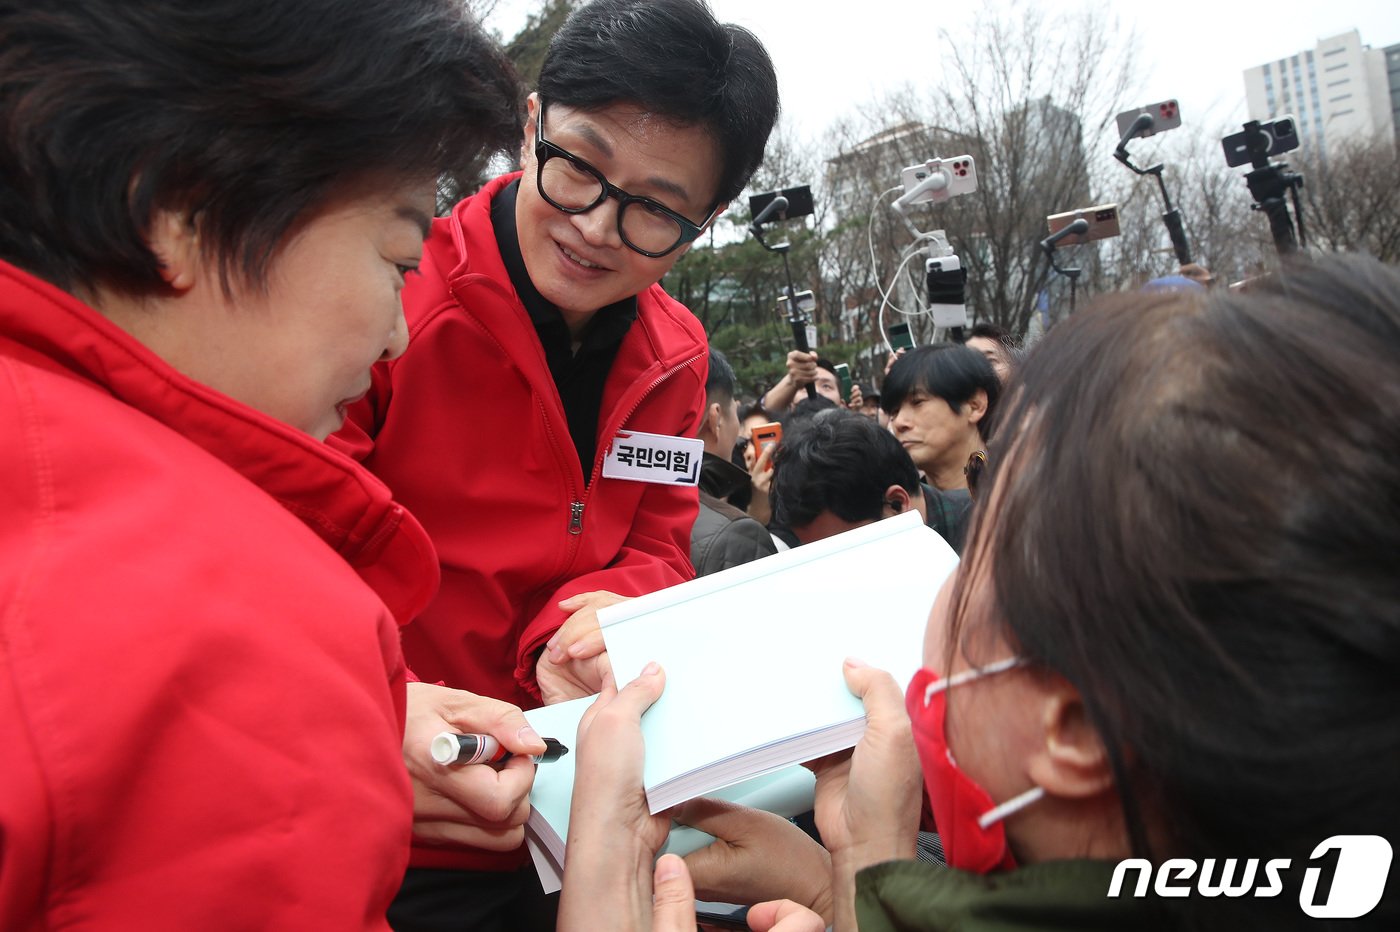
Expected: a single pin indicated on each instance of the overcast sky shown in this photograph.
(1193, 50)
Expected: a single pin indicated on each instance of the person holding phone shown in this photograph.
(207, 214)
(805, 369)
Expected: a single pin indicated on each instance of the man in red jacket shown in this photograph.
(542, 422)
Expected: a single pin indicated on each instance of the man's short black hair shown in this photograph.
(719, 384)
(839, 461)
(949, 371)
(247, 114)
(827, 364)
(988, 331)
(674, 59)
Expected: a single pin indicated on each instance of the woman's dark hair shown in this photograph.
(837, 461)
(949, 371)
(247, 114)
(1195, 520)
(675, 60)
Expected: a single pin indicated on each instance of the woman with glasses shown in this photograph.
(207, 211)
(1177, 708)
(542, 342)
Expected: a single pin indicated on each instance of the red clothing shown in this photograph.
(469, 431)
(201, 702)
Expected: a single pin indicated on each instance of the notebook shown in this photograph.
(753, 655)
(787, 792)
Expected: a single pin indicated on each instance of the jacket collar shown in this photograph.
(351, 510)
(719, 477)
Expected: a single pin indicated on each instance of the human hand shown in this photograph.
(867, 801)
(755, 856)
(857, 399)
(894, 358)
(761, 480)
(574, 661)
(673, 908)
(612, 835)
(801, 367)
(476, 804)
(785, 916)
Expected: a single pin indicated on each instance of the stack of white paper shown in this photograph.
(753, 655)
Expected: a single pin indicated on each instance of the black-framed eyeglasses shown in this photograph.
(570, 184)
(975, 469)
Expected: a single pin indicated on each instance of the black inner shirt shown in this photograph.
(580, 376)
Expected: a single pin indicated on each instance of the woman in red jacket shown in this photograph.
(207, 213)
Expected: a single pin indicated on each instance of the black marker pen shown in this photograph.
(452, 748)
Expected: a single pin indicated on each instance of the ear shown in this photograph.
(1073, 762)
(709, 424)
(175, 241)
(897, 497)
(976, 406)
(532, 118)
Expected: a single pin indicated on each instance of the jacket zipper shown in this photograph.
(576, 507)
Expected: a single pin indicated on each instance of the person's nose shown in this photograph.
(599, 226)
(398, 337)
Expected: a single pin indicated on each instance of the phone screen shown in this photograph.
(900, 337)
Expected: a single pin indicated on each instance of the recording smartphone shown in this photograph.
(799, 202)
(1165, 115)
(1102, 220)
(766, 435)
(1273, 138)
(960, 177)
(843, 376)
(900, 337)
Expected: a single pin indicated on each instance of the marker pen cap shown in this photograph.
(450, 748)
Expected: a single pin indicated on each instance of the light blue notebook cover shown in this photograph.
(787, 792)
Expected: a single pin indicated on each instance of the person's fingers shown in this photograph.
(637, 696)
(673, 897)
(784, 916)
(590, 644)
(472, 714)
(494, 797)
(881, 695)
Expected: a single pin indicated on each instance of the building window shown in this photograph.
(1340, 113)
(1336, 51)
(1339, 98)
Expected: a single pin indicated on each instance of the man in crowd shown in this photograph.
(805, 369)
(541, 424)
(940, 400)
(841, 470)
(997, 345)
(723, 535)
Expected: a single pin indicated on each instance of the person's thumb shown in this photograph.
(673, 896)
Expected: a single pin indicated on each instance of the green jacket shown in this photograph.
(914, 896)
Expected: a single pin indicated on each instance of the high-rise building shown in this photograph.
(1392, 69)
(1336, 91)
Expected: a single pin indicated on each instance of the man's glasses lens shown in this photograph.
(575, 188)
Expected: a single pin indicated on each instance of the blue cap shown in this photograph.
(1173, 283)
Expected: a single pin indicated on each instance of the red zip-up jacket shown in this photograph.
(468, 429)
(201, 685)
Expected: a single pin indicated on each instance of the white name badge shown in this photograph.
(639, 457)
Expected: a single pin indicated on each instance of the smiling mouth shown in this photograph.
(576, 258)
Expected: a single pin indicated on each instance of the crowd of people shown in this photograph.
(297, 475)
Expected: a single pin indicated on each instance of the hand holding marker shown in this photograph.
(452, 748)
